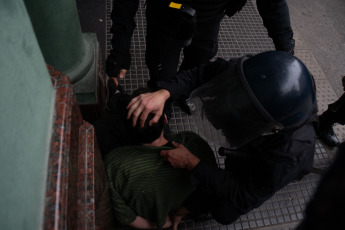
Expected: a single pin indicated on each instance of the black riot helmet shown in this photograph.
(265, 94)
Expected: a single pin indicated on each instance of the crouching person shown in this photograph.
(145, 188)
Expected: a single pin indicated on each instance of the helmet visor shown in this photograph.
(226, 107)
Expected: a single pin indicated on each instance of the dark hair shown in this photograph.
(148, 133)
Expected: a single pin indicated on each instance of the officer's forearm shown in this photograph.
(187, 81)
(122, 16)
(181, 85)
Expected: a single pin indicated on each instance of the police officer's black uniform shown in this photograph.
(267, 164)
(169, 28)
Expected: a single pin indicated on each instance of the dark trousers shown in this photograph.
(205, 201)
(336, 111)
(163, 48)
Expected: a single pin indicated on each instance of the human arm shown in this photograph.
(142, 105)
(122, 16)
(276, 19)
(205, 176)
(180, 86)
(180, 157)
(123, 213)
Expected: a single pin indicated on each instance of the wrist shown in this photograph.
(192, 162)
(165, 93)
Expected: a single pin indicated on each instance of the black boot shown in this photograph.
(326, 133)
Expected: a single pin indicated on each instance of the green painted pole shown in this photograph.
(57, 27)
(26, 112)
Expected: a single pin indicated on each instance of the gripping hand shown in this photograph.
(116, 61)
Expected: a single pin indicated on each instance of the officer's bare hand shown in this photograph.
(122, 74)
(180, 157)
(144, 104)
(117, 64)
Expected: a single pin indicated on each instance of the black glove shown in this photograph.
(117, 60)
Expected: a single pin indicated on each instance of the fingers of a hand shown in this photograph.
(166, 155)
(122, 73)
(134, 112)
(155, 119)
(169, 155)
(139, 113)
(133, 101)
(131, 107)
(135, 117)
(175, 144)
(143, 118)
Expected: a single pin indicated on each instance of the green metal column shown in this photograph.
(64, 46)
(26, 112)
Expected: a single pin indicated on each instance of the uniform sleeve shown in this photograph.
(122, 16)
(276, 19)
(123, 213)
(186, 81)
(250, 181)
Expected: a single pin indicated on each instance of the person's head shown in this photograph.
(269, 93)
(148, 133)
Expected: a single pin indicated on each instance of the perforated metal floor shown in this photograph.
(242, 34)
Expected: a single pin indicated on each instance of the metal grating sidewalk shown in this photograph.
(242, 34)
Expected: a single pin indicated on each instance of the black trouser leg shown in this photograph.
(204, 44)
(334, 114)
(162, 48)
(162, 57)
(336, 111)
(204, 47)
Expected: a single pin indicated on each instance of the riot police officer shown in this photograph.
(265, 106)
